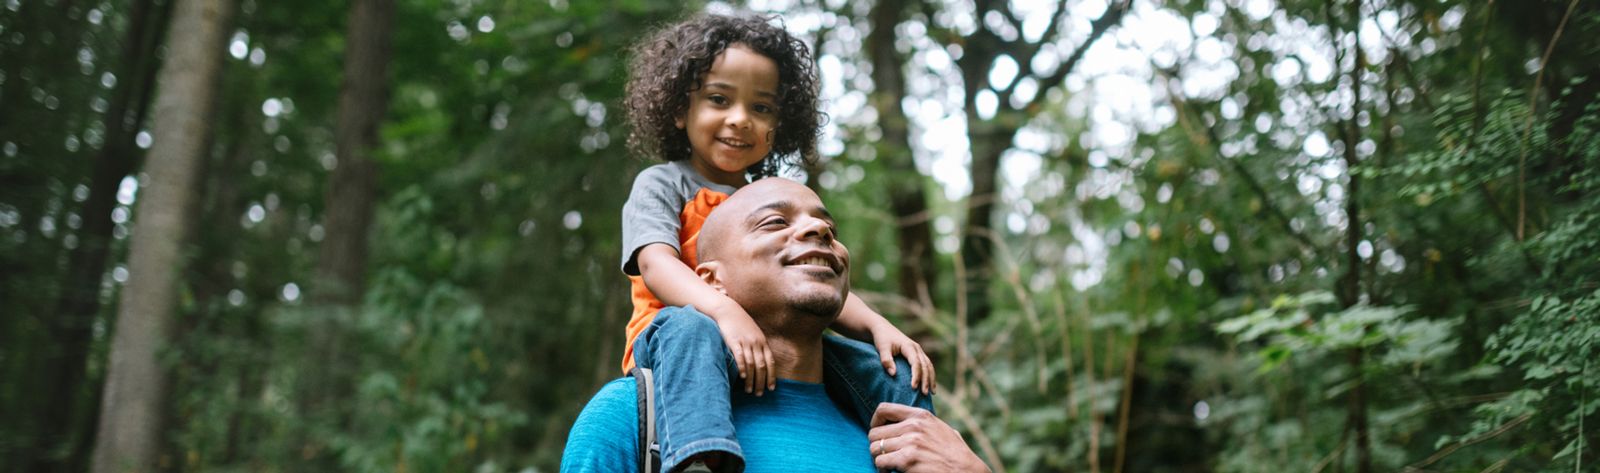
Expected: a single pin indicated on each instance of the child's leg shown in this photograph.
(852, 371)
(692, 369)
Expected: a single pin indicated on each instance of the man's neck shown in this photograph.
(796, 343)
(797, 359)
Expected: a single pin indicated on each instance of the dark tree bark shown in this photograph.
(79, 302)
(907, 198)
(351, 197)
(1349, 285)
(130, 432)
(352, 190)
(990, 138)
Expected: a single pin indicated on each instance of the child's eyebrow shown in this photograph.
(726, 86)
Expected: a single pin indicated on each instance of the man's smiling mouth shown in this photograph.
(817, 260)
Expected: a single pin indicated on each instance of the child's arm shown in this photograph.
(862, 323)
(674, 284)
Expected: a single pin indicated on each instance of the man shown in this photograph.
(770, 247)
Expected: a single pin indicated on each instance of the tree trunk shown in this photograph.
(363, 101)
(1349, 291)
(130, 432)
(917, 269)
(977, 245)
(350, 199)
(990, 138)
(79, 301)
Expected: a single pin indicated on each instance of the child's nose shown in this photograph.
(738, 117)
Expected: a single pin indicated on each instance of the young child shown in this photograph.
(719, 98)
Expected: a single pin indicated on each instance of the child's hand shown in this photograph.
(750, 352)
(890, 342)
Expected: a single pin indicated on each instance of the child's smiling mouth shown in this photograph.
(735, 142)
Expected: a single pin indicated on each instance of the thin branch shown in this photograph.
(1457, 446)
(1344, 439)
(959, 405)
(1024, 51)
(1527, 130)
(1126, 405)
(1113, 16)
(1211, 140)
(1066, 352)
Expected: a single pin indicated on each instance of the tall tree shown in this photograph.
(79, 301)
(352, 189)
(917, 269)
(130, 432)
(1000, 35)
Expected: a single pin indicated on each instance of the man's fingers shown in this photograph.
(889, 413)
(899, 460)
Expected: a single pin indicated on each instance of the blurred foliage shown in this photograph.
(1164, 303)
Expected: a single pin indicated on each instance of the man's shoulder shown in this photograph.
(617, 398)
(602, 439)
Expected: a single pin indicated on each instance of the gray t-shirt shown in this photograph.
(655, 207)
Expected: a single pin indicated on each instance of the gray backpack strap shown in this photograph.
(649, 450)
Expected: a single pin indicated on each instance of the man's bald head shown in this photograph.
(770, 247)
(713, 233)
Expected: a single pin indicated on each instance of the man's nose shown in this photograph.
(815, 228)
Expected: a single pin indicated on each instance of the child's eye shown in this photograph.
(765, 109)
(718, 99)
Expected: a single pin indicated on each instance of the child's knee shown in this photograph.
(686, 325)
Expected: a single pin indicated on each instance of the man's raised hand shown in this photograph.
(912, 440)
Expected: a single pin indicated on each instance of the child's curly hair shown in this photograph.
(671, 62)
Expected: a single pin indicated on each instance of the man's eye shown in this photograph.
(774, 221)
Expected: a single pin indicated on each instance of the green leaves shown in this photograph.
(1309, 324)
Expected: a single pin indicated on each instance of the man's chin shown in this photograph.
(820, 305)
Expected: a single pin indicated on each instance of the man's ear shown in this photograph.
(711, 273)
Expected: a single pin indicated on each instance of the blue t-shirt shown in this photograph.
(794, 428)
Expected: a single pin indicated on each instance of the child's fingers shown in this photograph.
(772, 382)
(923, 376)
(915, 358)
(886, 358)
(738, 362)
(744, 359)
(759, 385)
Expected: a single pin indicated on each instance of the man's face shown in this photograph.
(779, 251)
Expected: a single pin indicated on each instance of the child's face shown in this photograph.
(732, 115)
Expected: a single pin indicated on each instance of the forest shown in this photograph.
(1133, 235)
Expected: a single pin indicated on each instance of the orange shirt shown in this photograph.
(645, 304)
